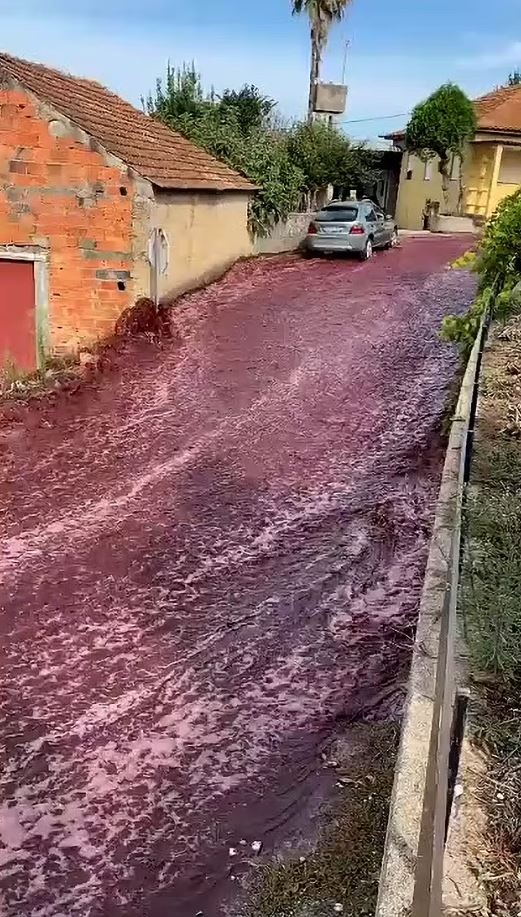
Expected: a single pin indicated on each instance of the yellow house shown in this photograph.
(491, 165)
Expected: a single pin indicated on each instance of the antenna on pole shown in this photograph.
(344, 68)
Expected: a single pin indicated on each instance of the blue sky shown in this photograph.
(399, 51)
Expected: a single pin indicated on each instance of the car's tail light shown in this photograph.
(357, 230)
(312, 229)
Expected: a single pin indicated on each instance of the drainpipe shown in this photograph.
(498, 153)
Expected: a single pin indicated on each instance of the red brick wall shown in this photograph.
(58, 193)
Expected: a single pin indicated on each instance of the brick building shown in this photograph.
(99, 204)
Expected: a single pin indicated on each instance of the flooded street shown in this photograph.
(209, 559)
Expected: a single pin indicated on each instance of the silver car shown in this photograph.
(359, 227)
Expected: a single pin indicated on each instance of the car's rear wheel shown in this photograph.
(367, 253)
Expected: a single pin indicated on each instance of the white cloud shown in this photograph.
(508, 54)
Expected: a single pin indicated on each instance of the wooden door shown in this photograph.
(17, 316)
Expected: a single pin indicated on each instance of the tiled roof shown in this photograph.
(159, 154)
(395, 135)
(500, 110)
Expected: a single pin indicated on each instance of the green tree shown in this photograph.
(514, 78)
(441, 126)
(327, 157)
(288, 162)
(180, 93)
(235, 129)
(250, 107)
(322, 14)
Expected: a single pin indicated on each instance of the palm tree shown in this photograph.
(322, 14)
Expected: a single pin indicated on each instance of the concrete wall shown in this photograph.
(423, 184)
(330, 98)
(206, 233)
(285, 236)
(64, 197)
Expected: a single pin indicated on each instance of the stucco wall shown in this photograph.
(480, 167)
(61, 194)
(416, 190)
(286, 236)
(501, 191)
(206, 233)
(485, 185)
(509, 177)
(488, 187)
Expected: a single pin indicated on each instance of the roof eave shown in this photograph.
(514, 131)
(214, 188)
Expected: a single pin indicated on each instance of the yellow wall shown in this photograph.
(509, 177)
(206, 233)
(495, 173)
(480, 170)
(414, 192)
(489, 174)
(498, 193)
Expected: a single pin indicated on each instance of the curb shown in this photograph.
(412, 869)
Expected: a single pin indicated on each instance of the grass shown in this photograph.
(492, 591)
(465, 261)
(344, 868)
(491, 612)
(17, 384)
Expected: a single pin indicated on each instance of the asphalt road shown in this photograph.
(206, 561)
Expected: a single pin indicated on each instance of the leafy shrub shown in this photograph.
(462, 329)
(500, 253)
(239, 128)
(499, 267)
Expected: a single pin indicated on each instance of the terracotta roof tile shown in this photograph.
(159, 154)
(500, 110)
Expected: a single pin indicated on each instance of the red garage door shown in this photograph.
(17, 316)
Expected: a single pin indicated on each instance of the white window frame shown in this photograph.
(40, 261)
(427, 172)
(455, 165)
(503, 178)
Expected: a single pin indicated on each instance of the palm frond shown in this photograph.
(325, 11)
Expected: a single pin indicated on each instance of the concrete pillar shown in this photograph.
(496, 165)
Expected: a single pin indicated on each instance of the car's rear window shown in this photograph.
(338, 215)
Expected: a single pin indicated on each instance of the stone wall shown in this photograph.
(285, 236)
(64, 196)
